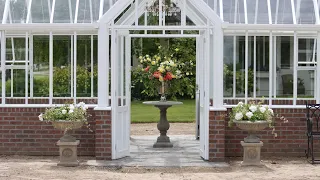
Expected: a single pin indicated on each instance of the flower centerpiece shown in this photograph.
(161, 68)
(252, 117)
(66, 118)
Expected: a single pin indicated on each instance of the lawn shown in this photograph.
(141, 113)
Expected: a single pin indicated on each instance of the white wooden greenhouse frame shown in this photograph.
(114, 20)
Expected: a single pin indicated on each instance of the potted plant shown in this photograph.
(251, 117)
(66, 118)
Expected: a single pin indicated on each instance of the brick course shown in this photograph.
(291, 140)
(21, 133)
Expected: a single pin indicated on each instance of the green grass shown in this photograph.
(141, 113)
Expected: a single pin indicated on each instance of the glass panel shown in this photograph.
(284, 60)
(172, 14)
(257, 12)
(40, 11)
(107, 5)
(18, 51)
(305, 11)
(84, 66)
(307, 51)
(15, 82)
(64, 11)
(262, 66)
(233, 11)
(228, 65)
(88, 11)
(306, 84)
(41, 66)
(2, 3)
(62, 66)
(18, 10)
(281, 12)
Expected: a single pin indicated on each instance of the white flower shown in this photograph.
(81, 104)
(249, 114)
(253, 108)
(178, 72)
(71, 111)
(238, 116)
(262, 109)
(64, 111)
(187, 74)
(71, 107)
(240, 103)
(271, 111)
(40, 117)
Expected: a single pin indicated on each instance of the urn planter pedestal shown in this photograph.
(68, 153)
(251, 144)
(68, 144)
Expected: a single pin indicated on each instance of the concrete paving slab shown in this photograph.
(185, 153)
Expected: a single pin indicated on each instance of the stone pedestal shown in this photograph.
(68, 153)
(163, 125)
(251, 153)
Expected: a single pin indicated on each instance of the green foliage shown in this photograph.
(70, 112)
(181, 49)
(240, 78)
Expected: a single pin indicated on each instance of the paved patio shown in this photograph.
(185, 153)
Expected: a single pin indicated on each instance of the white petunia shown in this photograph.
(81, 104)
(240, 103)
(71, 107)
(271, 111)
(253, 108)
(71, 111)
(64, 111)
(262, 109)
(84, 108)
(238, 116)
(40, 117)
(249, 114)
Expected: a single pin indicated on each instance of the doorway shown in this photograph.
(121, 55)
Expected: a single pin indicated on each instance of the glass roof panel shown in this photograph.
(18, 11)
(88, 11)
(257, 12)
(107, 5)
(64, 11)
(233, 11)
(281, 12)
(305, 11)
(40, 11)
(2, 3)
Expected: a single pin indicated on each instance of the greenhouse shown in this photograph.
(57, 51)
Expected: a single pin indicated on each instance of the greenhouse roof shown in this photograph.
(267, 11)
(90, 11)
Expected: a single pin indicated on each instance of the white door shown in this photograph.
(203, 94)
(121, 94)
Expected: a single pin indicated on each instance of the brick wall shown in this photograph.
(217, 135)
(291, 140)
(21, 133)
(103, 135)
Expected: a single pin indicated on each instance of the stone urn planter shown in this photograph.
(67, 143)
(251, 144)
(252, 128)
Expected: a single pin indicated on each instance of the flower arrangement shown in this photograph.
(160, 66)
(71, 112)
(254, 112)
(251, 112)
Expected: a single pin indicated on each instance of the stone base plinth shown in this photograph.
(68, 153)
(251, 153)
(163, 142)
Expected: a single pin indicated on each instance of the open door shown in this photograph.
(202, 95)
(121, 93)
